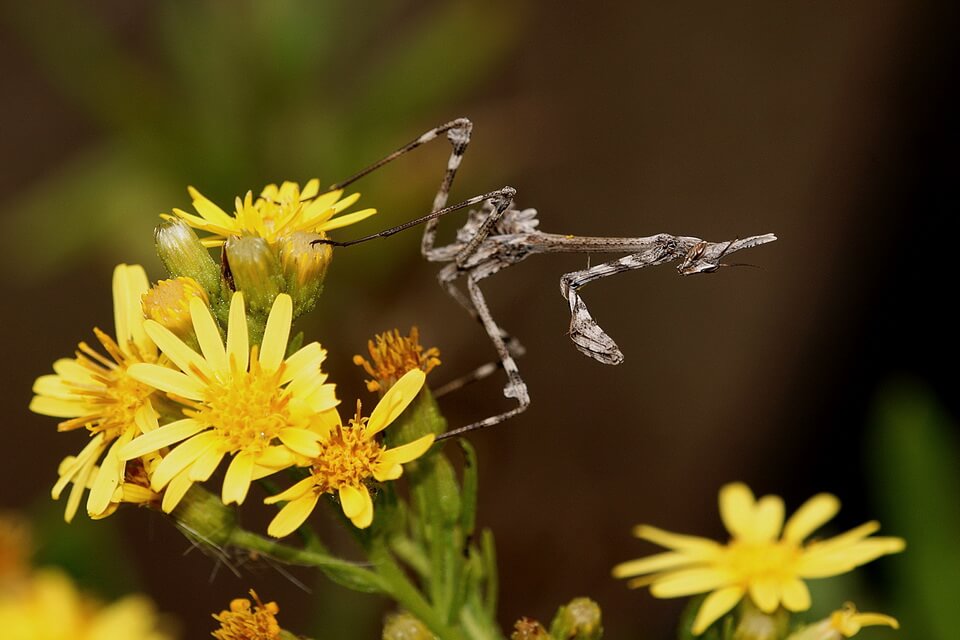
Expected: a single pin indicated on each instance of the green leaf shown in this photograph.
(471, 482)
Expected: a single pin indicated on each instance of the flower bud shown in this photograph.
(168, 302)
(580, 619)
(183, 254)
(255, 271)
(757, 625)
(403, 626)
(204, 515)
(304, 267)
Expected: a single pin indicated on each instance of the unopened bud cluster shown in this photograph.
(262, 269)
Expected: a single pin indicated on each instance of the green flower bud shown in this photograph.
(580, 619)
(202, 514)
(403, 626)
(757, 625)
(304, 267)
(255, 271)
(183, 254)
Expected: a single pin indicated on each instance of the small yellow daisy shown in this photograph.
(765, 559)
(279, 211)
(349, 457)
(392, 355)
(97, 393)
(247, 621)
(243, 401)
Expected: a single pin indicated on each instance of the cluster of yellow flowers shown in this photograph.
(170, 398)
(201, 369)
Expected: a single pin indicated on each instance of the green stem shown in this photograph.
(408, 596)
(341, 571)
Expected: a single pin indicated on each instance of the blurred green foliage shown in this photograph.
(916, 481)
(228, 96)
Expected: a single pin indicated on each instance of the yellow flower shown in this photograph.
(844, 623)
(49, 606)
(760, 560)
(349, 457)
(393, 355)
(279, 211)
(245, 621)
(249, 403)
(168, 302)
(97, 393)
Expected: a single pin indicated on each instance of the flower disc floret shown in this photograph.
(765, 559)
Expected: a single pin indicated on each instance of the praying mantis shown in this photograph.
(498, 235)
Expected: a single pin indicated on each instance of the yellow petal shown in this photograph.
(693, 546)
(395, 401)
(295, 492)
(146, 418)
(345, 203)
(687, 582)
(238, 343)
(292, 515)
(814, 513)
(351, 500)
(108, 477)
(87, 457)
(236, 482)
(168, 380)
(324, 422)
(401, 455)
(204, 466)
(302, 441)
(795, 595)
(834, 561)
(737, 509)
(346, 220)
(76, 492)
(208, 335)
(210, 211)
(304, 363)
(54, 386)
(72, 371)
(768, 520)
(715, 606)
(276, 458)
(175, 491)
(129, 284)
(651, 564)
(58, 408)
(188, 360)
(310, 189)
(277, 332)
(165, 436)
(181, 458)
(765, 593)
(365, 518)
(326, 200)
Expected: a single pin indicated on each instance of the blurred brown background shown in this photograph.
(830, 124)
